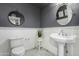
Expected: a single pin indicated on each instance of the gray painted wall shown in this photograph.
(34, 16)
(48, 16)
(31, 14)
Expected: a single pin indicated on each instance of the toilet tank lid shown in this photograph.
(15, 38)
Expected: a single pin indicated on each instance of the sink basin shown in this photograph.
(63, 38)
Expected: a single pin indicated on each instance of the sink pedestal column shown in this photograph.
(60, 49)
(70, 49)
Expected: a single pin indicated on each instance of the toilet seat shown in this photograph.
(18, 51)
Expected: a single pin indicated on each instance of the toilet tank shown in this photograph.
(15, 42)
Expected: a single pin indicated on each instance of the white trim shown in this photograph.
(61, 27)
(14, 28)
(35, 28)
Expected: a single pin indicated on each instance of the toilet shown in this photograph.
(17, 46)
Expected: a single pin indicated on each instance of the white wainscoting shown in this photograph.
(30, 35)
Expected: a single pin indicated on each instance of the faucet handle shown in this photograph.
(61, 32)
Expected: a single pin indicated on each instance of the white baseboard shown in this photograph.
(4, 54)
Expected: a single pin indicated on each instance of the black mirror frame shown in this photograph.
(19, 15)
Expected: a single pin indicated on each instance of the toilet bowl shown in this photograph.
(18, 51)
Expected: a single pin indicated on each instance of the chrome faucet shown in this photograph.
(62, 33)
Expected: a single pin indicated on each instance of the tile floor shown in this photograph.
(36, 52)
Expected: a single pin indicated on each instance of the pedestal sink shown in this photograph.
(61, 40)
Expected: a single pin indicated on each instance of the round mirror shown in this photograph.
(16, 18)
(64, 14)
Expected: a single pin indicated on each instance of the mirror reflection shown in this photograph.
(64, 14)
(16, 18)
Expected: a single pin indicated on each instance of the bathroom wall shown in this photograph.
(27, 30)
(48, 16)
(31, 14)
(29, 34)
(50, 25)
(51, 45)
(32, 20)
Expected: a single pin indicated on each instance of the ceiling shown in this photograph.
(40, 5)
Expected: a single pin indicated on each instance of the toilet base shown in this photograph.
(17, 54)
